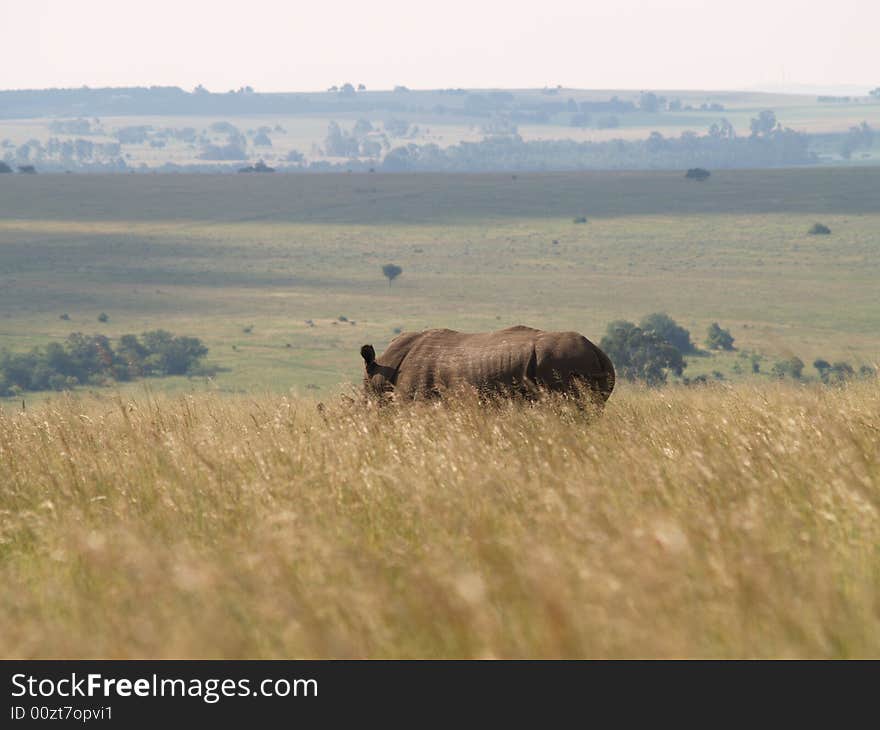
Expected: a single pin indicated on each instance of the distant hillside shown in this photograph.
(172, 100)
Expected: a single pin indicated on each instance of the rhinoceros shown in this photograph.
(517, 359)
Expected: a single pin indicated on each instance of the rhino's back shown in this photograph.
(516, 357)
(443, 359)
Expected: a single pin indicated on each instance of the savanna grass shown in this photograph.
(737, 521)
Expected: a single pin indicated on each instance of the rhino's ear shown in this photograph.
(369, 354)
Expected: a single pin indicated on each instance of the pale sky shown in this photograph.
(276, 45)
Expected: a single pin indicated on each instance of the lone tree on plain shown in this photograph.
(391, 272)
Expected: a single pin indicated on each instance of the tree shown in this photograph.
(793, 368)
(396, 127)
(362, 127)
(339, 143)
(822, 367)
(391, 272)
(719, 339)
(841, 372)
(697, 173)
(135, 134)
(347, 90)
(170, 354)
(819, 229)
(722, 130)
(838, 373)
(102, 317)
(4, 167)
(222, 127)
(860, 137)
(763, 124)
(261, 139)
(662, 324)
(649, 102)
(875, 92)
(640, 355)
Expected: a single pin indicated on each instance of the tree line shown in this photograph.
(94, 360)
(719, 148)
(655, 348)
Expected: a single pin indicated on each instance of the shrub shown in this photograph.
(840, 372)
(102, 317)
(258, 166)
(793, 368)
(698, 174)
(819, 229)
(718, 338)
(580, 219)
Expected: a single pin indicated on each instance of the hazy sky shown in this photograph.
(276, 45)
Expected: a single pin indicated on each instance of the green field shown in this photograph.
(211, 255)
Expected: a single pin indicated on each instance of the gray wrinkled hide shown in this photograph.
(422, 364)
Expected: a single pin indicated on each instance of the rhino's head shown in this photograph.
(378, 379)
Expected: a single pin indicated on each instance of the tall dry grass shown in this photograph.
(715, 522)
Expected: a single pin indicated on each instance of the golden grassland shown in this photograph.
(722, 521)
